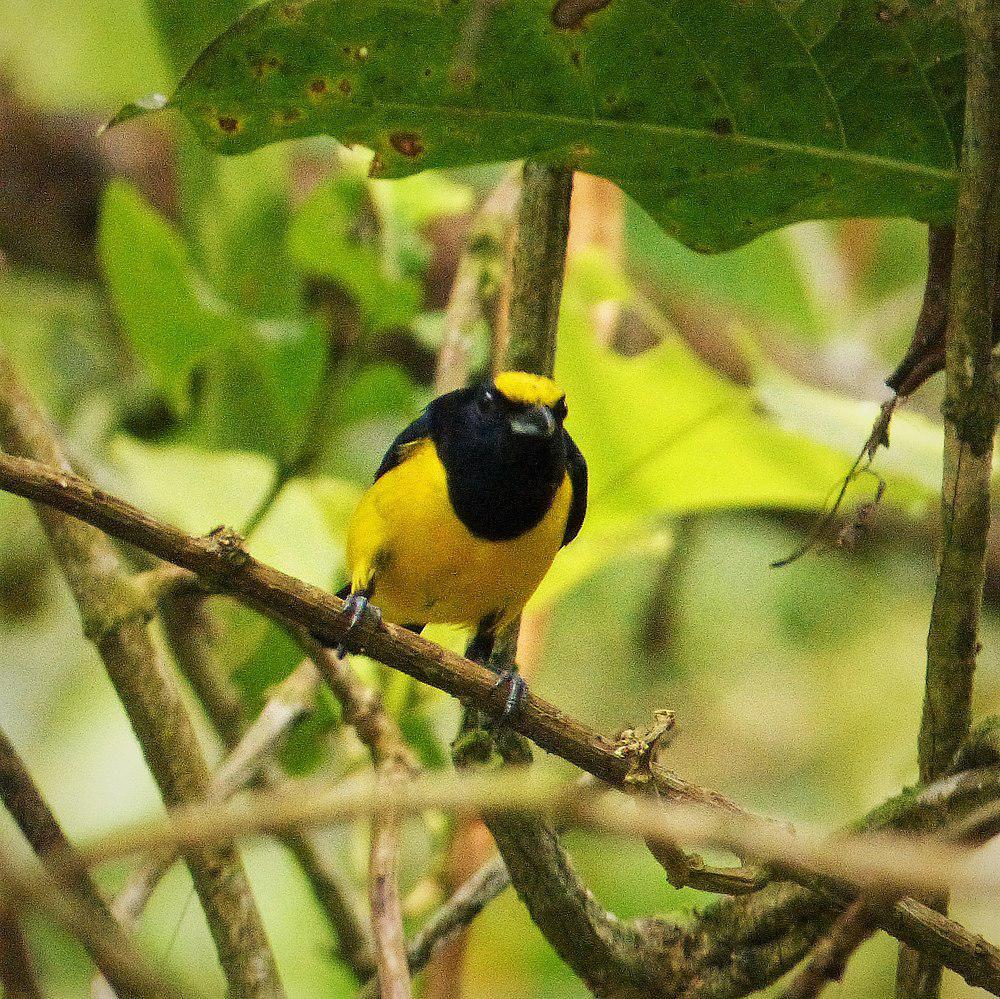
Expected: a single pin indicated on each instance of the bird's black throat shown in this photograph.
(500, 483)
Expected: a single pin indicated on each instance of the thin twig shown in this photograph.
(970, 413)
(395, 763)
(292, 698)
(880, 865)
(477, 284)
(383, 892)
(490, 881)
(114, 614)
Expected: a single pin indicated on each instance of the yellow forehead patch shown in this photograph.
(531, 390)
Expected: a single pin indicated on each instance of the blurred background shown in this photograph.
(206, 331)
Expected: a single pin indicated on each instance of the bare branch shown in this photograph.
(537, 270)
(383, 891)
(114, 614)
(17, 971)
(292, 698)
(830, 956)
(224, 565)
(970, 414)
(395, 763)
(189, 630)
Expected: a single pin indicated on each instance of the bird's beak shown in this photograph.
(538, 421)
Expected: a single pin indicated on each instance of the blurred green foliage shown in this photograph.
(281, 320)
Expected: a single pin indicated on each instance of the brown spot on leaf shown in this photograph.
(345, 86)
(263, 66)
(576, 58)
(229, 123)
(318, 88)
(377, 167)
(286, 117)
(290, 12)
(570, 14)
(721, 126)
(409, 144)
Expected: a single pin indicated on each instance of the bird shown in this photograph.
(467, 512)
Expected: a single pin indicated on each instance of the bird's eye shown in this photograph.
(560, 409)
(488, 400)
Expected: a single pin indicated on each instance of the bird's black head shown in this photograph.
(504, 451)
(523, 405)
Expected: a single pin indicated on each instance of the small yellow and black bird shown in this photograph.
(467, 511)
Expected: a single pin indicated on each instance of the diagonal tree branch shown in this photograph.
(223, 565)
(34, 889)
(45, 836)
(226, 566)
(17, 971)
(115, 619)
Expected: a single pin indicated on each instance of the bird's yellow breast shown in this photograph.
(425, 564)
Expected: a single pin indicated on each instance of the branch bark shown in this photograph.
(226, 566)
(17, 971)
(33, 889)
(41, 829)
(528, 343)
(188, 626)
(970, 414)
(395, 764)
(115, 619)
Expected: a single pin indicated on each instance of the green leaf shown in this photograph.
(255, 379)
(322, 241)
(723, 120)
(665, 435)
(173, 318)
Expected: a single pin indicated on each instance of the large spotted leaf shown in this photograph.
(723, 118)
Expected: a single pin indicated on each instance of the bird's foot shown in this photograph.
(516, 690)
(357, 606)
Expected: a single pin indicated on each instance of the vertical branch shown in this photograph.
(395, 764)
(970, 412)
(537, 270)
(392, 960)
(607, 954)
(115, 613)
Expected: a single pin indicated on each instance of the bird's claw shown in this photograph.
(515, 694)
(358, 606)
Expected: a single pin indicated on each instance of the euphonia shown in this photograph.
(467, 511)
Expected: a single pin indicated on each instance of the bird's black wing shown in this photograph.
(418, 430)
(576, 465)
